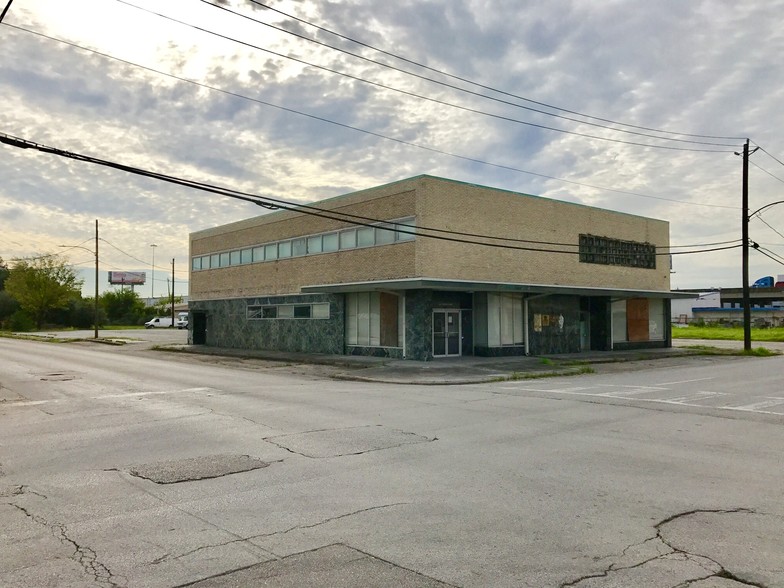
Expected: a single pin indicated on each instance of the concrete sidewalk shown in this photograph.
(445, 371)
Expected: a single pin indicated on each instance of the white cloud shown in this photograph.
(703, 67)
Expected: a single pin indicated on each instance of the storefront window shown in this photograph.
(619, 321)
(373, 319)
(504, 319)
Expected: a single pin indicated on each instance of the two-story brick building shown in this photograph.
(428, 267)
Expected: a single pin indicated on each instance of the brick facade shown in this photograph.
(542, 236)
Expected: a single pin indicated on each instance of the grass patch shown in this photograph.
(721, 333)
(756, 352)
(760, 352)
(586, 369)
(24, 337)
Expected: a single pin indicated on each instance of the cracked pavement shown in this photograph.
(680, 550)
(285, 479)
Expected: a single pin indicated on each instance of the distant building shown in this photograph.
(569, 278)
(683, 308)
(725, 306)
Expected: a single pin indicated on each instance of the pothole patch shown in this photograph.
(196, 468)
(350, 441)
(333, 565)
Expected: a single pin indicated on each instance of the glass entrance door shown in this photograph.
(446, 333)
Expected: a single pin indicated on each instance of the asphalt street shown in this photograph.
(125, 466)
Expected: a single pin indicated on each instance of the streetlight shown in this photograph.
(95, 313)
(153, 272)
(746, 244)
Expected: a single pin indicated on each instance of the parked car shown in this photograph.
(182, 320)
(158, 321)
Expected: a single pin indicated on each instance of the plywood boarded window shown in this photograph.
(637, 319)
(389, 320)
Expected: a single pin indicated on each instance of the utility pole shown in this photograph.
(746, 243)
(745, 239)
(5, 10)
(172, 293)
(95, 315)
(153, 273)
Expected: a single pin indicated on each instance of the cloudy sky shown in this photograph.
(222, 95)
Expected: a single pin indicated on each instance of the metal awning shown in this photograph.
(474, 286)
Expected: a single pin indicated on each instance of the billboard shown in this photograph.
(128, 278)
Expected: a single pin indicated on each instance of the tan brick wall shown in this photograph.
(287, 276)
(473, 209)
(442, 204)
(386, 202)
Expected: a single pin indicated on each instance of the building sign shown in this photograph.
(607, 251)
(128, 278)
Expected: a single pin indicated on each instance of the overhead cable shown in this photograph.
(423, 97)
(769, 254)
(479, 85)
(768, 153)
(261, 200)
(775, 177)
(458, 88)
(372, 133)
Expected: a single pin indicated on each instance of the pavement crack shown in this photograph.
(19, 491)
(332, 519)
(716, 570)
(169, 557)
(86, 557)
(723, 572)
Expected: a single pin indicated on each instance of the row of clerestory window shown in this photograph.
(343, 240)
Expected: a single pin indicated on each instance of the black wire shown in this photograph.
(770, 256)
(452, 86)
(769, 154)
(703, 250)
(137, 259)
(766, 171)
(759, 217)
(702, 244)
(371, 133)
(420, 96)
(255, 199)
(477, 84)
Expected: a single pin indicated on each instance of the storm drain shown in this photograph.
(196, 468)
(333, 565)
(350, 441)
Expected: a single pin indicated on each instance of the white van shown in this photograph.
(158, 321)
(182, 320)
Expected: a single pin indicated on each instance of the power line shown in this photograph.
(265, 201)
(703, 250)
(705, 244)
(476, 84)
(145, 263)
(759, 217)
(421, 96)
(770, 255)
(766, 171)
(769, 154)
(454, 87)
(372, 133)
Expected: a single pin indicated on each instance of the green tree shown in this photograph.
(8, 306)
(163, 308)
(4, 271)
(123, 307)
(79, 313)
(41, 285)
